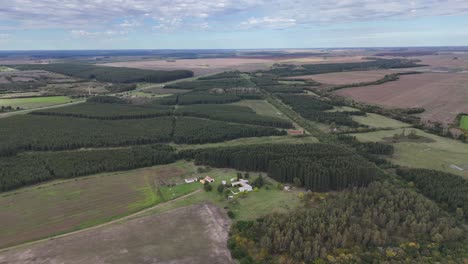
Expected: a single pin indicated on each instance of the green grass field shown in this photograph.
(35, 102)
(262, 107)
(342, 109)
(379, 121)
(464, 122)
(6, 69)
(438, 155)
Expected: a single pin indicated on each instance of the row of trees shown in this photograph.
(318, 167)
(32, 168)
(447, 189)
(377, 224)
(109, 74)
(205, 85)
(199, 98)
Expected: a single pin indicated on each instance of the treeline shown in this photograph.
(32, 168)
(223, 75)
(315, 109)
(199, 98)
(205, 85)
(387, 78)
(109, 74)
(200, 131)
(232, 113)
(447, 189)
(308, 69)
(112, 111)
(317, 167)
(378, 224)
(121, 87)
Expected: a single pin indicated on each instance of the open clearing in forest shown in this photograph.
(189, 235)
(379, 121)
(262, 107)
(438, 154)
(341, 78)
(35, 102)
(62, 206)
(464, 122)
(443, 95)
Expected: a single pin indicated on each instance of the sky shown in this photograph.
(230, 24)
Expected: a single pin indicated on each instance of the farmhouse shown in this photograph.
(207, 179)
(190, 180)
(294, 132)
(244, 185)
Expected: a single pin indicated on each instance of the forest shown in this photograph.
(316, 110)
(109, 74)
(205, 85)
(316, 167)
(108, 111)
(232, 113)
(45, 133)
(450, 190)
(308, 69)
(32, 168)
(199, 98)
(381, 223)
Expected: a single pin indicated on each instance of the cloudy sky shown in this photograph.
(159, 24)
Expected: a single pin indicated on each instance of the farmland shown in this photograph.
(134, 242)
(67, 205)
(442, 95)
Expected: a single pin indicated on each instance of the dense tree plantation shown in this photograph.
(308, 69)
(108, 111)
(33, 132)
(272, 85)
(106, 99)
(378, 224)
(447, 189)
(199, 131)
(199, 98)
(43, 133)
(204, 85)
(316, 110)
(232, 113)
(32, 168)
(109, 74)
(317, 167)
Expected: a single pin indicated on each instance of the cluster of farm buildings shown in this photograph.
(242, 184)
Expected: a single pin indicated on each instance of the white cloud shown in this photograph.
(4, 37)
(97, 34)
(174, 14)
(268, 22)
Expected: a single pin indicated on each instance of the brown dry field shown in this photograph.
(443, 95)
(446, 61)
(63, 206)
(340, 78)
(188, 235)
(199, 66)
(324, 59)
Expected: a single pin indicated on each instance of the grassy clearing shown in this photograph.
(63, 206)
(35, 102)
(379, 121)
(262, 107)
(438, 155)
(6, 69)
(253, 141)
(250, 207)
(464, 122)
(342, 109)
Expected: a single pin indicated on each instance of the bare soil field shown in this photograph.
(443, 95)
(340, 78)
(199, 66)
(324, 60)
(190, 235)
(62, 206)
(446, 61)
